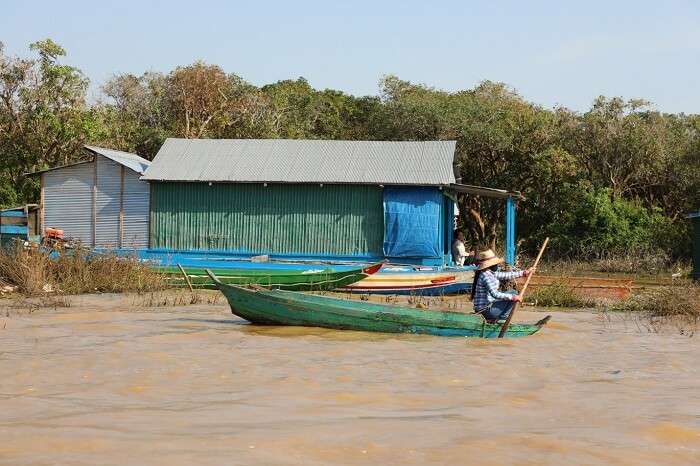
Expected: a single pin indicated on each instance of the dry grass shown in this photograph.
(177, 298)
(665, 307)
(630, 263)
(76, 271)
(27, 270)
(559, 294)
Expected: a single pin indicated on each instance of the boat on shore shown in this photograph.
(278, 307)
(309, 279)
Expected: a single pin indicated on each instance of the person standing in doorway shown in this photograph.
(459, 250)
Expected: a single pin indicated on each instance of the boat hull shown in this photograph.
(275, 307)
(425, 283)
(312, 279)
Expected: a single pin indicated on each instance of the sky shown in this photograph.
(554, 53)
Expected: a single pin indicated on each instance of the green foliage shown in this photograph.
(593, 223)
(44, 118)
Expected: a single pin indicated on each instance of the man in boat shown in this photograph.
(459, 250)
(489, 301)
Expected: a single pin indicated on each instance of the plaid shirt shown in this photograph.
(487, 288)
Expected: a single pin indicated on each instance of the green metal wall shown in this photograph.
(278, 218)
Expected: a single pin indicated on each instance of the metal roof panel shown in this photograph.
(304, 161)
(129, 160)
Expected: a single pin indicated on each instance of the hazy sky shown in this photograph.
(552, 52)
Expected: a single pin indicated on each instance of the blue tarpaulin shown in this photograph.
(412, 222)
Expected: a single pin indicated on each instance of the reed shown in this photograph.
(663, 307)
(634, 263)
(176, 298)
(560, 294)
(75, 271)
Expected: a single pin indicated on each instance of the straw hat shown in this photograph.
(488, 258)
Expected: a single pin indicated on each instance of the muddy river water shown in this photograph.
(106, 383)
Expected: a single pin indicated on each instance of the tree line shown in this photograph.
(619, 177)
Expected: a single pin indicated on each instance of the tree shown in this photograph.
(200, 96)
(138, 117)
(44, 119)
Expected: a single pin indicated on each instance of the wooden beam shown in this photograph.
(42, 227)
(121, 209)
(187, 278)
(94, 201)
(150, 214)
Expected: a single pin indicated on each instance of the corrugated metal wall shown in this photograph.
(107, 203)
(281, 219)
(68, 201)
(136, 205)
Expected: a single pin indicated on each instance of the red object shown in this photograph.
(448, 278)
(54, 233)
(373, 269)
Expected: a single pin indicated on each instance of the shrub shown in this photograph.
(591, 224)
(665, 306)
(559, 294)
(75, 271)
(665, 301)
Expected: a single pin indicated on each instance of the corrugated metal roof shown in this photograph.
(129, 160)
(304, 161)
(486, 192)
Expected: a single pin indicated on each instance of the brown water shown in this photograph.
(102, 383)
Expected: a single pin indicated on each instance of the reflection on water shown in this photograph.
(96, 384)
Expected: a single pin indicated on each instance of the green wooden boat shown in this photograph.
(313, 279)
(277, 307)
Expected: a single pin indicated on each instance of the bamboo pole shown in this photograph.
(504, 328)
(187, 279)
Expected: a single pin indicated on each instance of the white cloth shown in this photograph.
(459, 252)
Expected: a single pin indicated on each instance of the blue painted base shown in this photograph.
(216, 259)
(455, 288)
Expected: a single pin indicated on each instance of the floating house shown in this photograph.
(695, 219)
(19, 224)
(332, 200)
(100, 202)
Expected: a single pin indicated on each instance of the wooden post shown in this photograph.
(121, 209)
(150, 214)
(504, 328)
(94, 201)
(42, 227)
(187, 279)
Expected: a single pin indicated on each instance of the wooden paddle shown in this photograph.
(504, 328)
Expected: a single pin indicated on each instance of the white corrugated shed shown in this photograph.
(304, 161)
(101, 203)
(107, 205)
(136, 206)
(67, 201)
